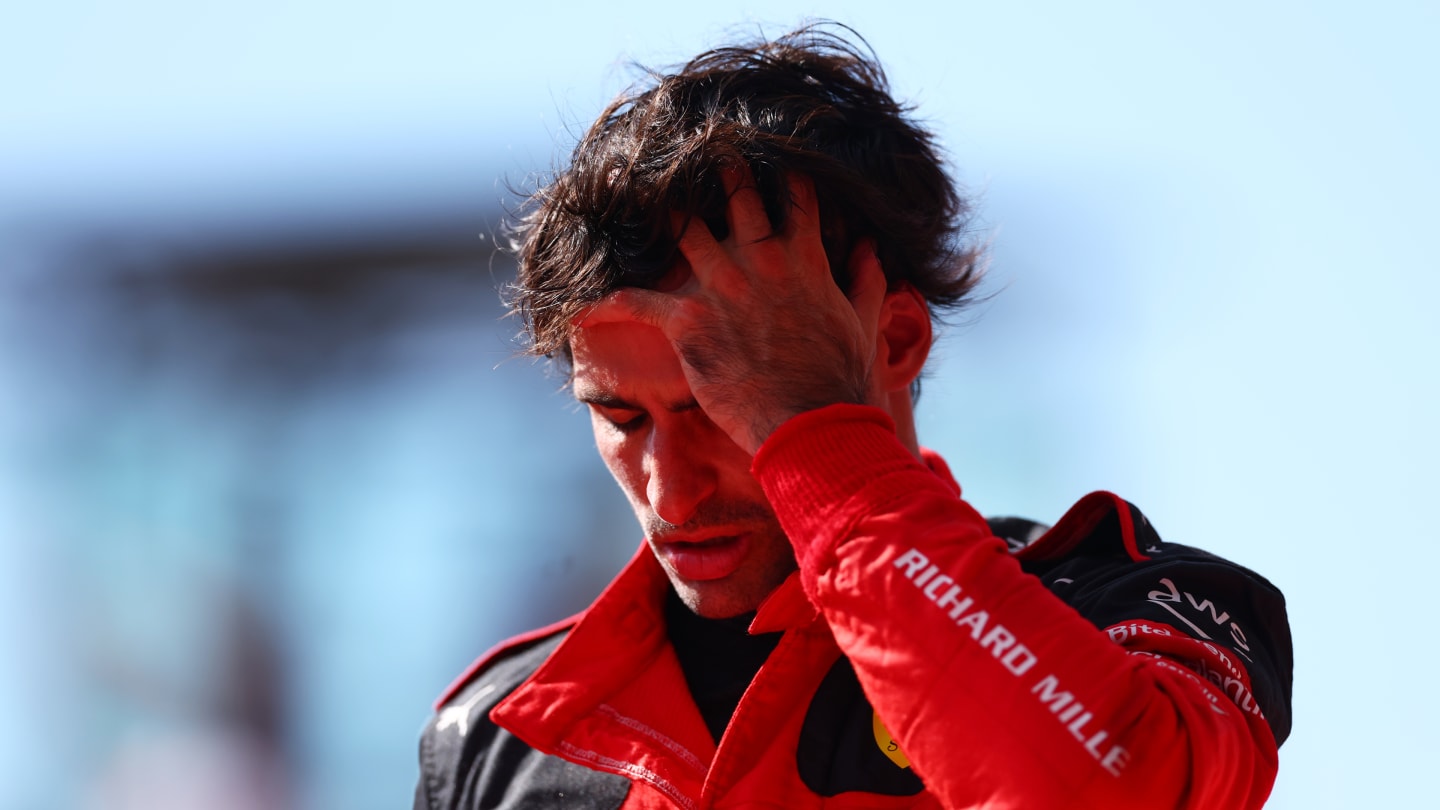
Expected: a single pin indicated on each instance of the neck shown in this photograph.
(718, 657)
(902, 409)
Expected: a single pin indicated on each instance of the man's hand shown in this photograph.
(761, 329)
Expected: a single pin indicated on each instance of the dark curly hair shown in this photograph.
(810, 102)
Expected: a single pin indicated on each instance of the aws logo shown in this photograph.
(1171, 597)
(888, 746)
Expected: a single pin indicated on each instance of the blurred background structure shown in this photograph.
(271, 474)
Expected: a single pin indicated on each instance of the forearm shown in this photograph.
(994, 687)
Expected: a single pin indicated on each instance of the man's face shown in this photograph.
(705, 518)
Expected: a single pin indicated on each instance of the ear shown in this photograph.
(903, 339)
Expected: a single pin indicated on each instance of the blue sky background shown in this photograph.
(1214, 268)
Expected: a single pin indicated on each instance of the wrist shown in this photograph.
(764, 422)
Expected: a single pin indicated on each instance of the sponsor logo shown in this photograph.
(459, 716)
(1013, 655)
(1077, 721)
(888, 746)
(947, 596)
(1173, 600)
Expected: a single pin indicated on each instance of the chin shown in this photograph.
(713, 600)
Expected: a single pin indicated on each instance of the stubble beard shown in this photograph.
(770, 559)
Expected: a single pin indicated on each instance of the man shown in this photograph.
(738, 270)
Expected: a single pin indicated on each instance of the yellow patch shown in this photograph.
(887, 744)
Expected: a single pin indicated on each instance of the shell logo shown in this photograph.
(887, 743)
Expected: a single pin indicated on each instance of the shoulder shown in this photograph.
(463, 754)
(518, 655)
(1105, 559)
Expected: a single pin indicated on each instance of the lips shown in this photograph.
(703, 560)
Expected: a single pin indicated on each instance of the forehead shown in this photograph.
(628, 360)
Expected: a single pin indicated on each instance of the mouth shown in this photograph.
(702, 560)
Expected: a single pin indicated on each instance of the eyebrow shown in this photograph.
(609, 399)
(606, 399)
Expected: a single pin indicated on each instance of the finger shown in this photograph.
(867, 286)
(744, 210)
(628, 305)
(804, 218)
(697, 245)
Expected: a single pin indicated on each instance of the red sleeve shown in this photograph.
(997, 691)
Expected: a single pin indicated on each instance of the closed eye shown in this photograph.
(622, 419)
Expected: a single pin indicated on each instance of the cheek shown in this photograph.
(624, 464)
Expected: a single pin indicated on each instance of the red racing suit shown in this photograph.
(925, 662)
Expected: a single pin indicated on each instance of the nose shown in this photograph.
(681, 476)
